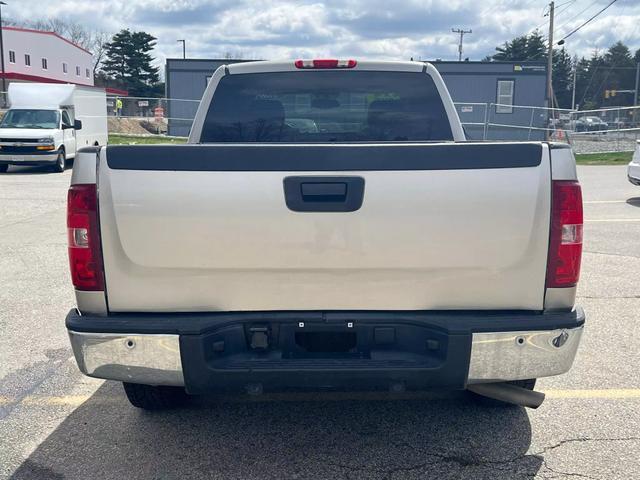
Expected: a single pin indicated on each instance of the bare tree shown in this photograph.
(55, 25)
(99, 40)
(233, 56)
(10, 22)
(78, 34)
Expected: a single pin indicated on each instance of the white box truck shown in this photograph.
(47, 123)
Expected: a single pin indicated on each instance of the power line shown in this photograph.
(601, 84)
(608, 71)
(565, 3)
(578, 14)
(585, 23)
(566, 6)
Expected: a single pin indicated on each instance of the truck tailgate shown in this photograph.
(440, 226)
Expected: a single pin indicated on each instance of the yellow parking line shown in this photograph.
(613, 393)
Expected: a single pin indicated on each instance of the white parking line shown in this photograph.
(613, 393)
(601, 220)
(596, 202)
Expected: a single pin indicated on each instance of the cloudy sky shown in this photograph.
(385, 29)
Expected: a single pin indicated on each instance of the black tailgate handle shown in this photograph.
(323, 194)
(323, 191)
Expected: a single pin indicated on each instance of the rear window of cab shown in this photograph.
(326, 106)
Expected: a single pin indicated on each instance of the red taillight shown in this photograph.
(565, 245)
(325, 63)
(85, 255)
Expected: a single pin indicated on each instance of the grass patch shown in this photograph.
(115, 139)
(617, 158)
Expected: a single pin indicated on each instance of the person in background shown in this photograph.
(118, 107)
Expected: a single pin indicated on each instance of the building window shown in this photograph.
(77, 71)
(27, 59)
(86, 72)
(44, 64)
(64, 68)
(505, 96)
(12, 56)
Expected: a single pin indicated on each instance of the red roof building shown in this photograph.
(40, 56)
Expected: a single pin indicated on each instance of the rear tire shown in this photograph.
(481, 400)
(149, 397)
(4, 168)
(61, 162)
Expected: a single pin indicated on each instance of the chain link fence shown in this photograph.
(150, 116)
(138, 116)
(605, 130)
(589, 131)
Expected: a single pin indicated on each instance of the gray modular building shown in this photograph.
(494, 99)
(498, 100)
(186, 80)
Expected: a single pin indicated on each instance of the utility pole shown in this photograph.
(550, 56)
(184, 48)
(4, 74)
(550, 63)
(573, 95)
(635, 95)
(462, 33)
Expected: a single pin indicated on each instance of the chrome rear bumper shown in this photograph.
(149, 359)
(495, 356)
(506, 356)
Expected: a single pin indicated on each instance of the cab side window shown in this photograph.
(66, 121)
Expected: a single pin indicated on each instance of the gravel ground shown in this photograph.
(601, 143)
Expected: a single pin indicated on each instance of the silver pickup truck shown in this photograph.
(327, 226)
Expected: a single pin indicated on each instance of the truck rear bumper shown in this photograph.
(29, 159)
(315, 350)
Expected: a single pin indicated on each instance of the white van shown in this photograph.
(47, 123)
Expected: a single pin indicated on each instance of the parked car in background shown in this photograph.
(633, 171)
(47, 123)
(620, 123)
(376, 250)
(590, 124)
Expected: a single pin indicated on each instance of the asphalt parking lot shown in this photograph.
(57, 424)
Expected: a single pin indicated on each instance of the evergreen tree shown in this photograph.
(613, 70)
(592, 96)
(619, 61)
(562, 77)
(129, 61)
(117, 54)
(582, 80)
(526, 48)
(532, 47)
